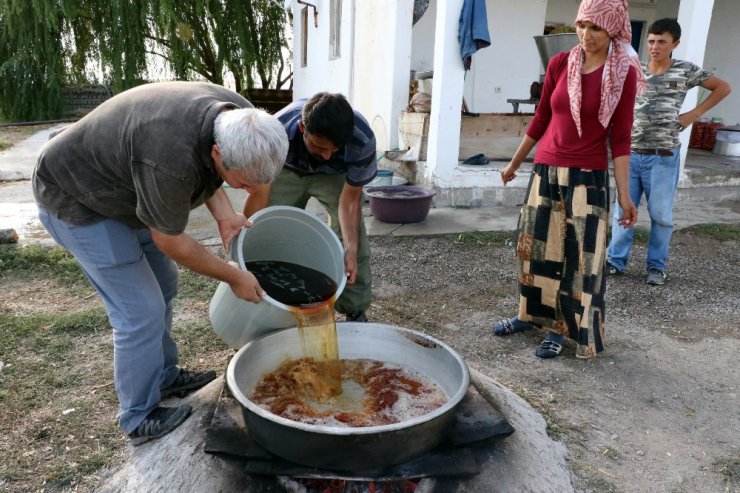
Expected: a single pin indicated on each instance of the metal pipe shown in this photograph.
(315, 12)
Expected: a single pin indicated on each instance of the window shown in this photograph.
(335, 31)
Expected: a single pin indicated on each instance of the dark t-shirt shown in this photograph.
(143, 157)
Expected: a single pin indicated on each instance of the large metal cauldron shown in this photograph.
(358, 450)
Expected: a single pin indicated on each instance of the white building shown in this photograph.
(366, 50)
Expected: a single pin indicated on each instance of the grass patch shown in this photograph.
(545, 406)
(47, 333)
(641, 235)
(5, 145)
(197, 340)
(34, 260)
(719, 232)
(195, 287)
(730, 471)
(593, 479)
(484, 238)
(65, 474)
(57, 397)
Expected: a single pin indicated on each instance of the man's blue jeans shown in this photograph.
(657, 177)
(137, 283)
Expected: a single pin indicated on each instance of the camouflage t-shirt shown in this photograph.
(656, 111)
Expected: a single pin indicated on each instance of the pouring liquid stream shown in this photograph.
(310, 296)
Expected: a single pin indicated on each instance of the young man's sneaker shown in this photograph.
(656, 277)
(611, 270)
(159, 422)
(356, 316)
(187, 381)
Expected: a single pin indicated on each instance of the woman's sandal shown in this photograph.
(511, 325)
(551, 347)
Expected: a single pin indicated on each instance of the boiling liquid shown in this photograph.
(375, 393)
(309, 293)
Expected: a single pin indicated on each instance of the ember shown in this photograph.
(345, 486)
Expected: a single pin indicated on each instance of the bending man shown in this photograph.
(331, 156)
(116, 189)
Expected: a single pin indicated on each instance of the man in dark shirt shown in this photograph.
(331, 156)
(116, 189)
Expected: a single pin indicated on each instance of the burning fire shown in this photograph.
(346, 486)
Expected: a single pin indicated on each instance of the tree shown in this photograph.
(210, 37)
(32, 59)
(46, 44)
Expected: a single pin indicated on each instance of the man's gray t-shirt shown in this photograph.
(143, 157)
(656, 123)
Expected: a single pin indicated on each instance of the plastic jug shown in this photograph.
(281, 233)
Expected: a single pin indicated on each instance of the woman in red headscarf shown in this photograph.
(586, 103)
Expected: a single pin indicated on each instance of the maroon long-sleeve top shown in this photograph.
(554, 129)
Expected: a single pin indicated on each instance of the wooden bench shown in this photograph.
(516, 102)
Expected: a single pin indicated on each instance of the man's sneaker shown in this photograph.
(612, 271)
(187, 381)
(356, 316)
(656, 277)
(159, 422)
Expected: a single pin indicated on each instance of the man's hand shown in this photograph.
(184, 250)
(350, 267)
(350, 215)
(229, 222)
(629, 212)
(230, 227)
(246, 287)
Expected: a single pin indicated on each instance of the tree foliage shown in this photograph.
(47, 44)
(32, 58)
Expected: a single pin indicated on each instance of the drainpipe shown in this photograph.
(351, 51)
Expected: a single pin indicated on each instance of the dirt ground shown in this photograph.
(656, 411)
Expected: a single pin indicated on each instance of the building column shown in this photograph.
(695, 17)
(447, 95)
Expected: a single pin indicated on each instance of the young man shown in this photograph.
(655, 157)
(116, 189)
(331, 156)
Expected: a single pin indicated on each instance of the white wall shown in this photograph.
(373, 69)
(561, 11)
(321, 73)
(382, 64)
(723, 57)
(422, 41)
(507, 68)
(501, 71)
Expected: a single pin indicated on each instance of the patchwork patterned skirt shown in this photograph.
(561, 254)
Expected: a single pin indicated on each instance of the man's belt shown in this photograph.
(659, 152)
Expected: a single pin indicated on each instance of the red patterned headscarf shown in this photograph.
(612, 16)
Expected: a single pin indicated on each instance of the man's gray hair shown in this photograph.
(251, 140)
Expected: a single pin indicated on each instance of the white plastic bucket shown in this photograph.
(279, 233)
